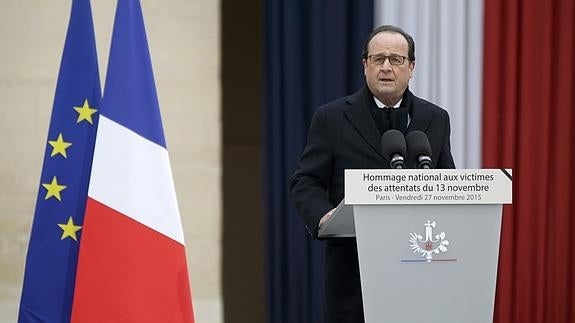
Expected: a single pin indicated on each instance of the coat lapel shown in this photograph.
(420, 116)
(359, 115)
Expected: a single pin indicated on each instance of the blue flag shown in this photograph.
(51, 262)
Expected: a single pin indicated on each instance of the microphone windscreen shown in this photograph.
(393, 142)
(417, 144)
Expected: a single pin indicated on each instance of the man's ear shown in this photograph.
(411, 68)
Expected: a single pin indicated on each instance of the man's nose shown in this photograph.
(386, 66)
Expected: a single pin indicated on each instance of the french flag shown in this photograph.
(132, 261)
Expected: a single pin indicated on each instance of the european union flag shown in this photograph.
(50, 273)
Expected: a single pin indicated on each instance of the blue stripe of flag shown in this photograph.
(130, 89)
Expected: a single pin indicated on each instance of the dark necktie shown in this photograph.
(391, 118)
(398, 119)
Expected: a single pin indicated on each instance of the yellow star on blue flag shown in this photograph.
(69, 229)
(59, 146)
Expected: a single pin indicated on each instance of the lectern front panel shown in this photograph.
(428, 263)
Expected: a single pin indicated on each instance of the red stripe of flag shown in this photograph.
(125, 257)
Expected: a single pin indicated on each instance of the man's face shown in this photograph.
(387, 82)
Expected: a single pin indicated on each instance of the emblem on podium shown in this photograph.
(430, 244)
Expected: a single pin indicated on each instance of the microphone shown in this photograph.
(418, 148)
(393, 146)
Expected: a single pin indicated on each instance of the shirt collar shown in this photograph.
(381, 105)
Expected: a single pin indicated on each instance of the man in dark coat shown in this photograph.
(346, 134)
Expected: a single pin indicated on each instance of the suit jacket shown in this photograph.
(343, 135)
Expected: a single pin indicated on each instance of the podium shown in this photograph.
(428, 241)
